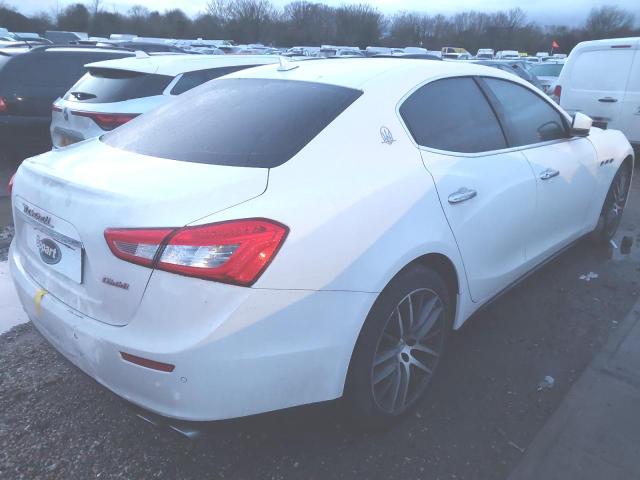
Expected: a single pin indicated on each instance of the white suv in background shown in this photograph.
(113, 92)
(601, 79)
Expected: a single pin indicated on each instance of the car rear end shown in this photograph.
(130, 261)
(103, 99)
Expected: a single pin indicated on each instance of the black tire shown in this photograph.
(613, 207)
(418, 287)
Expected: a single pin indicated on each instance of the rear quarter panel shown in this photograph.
(358, 209)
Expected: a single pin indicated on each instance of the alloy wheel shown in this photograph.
(408, 350)
(617, 202)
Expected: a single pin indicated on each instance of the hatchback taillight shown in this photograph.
(235, 252)
(107, 121)
(557, 92)
(10, 184)
(3, 105)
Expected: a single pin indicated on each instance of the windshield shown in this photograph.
(238, 122)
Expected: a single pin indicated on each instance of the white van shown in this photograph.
(601, 79)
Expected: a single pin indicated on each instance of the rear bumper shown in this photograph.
(260, 350)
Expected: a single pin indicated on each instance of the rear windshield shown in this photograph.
(548, 70)
(191, 80)
(238, 122)
(103, 85)
(51, 70)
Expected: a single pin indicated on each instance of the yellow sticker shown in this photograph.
(38, 299)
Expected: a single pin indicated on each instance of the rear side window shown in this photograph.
(239, 122)
(602, 70)
(190, 80)
(102, 85)
(452, 115)
(527, 118)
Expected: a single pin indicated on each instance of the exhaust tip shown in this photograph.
(186, 429)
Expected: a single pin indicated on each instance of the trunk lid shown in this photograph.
(64, 200)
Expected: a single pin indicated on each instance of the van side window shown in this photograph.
(452, 115)
(602, 70)
(527, 118)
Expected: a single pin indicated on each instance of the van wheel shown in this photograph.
(614, 203)
(398, 349)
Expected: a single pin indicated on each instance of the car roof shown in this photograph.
(374, 71)
(78, 49)
(633, 42)
(176, 64)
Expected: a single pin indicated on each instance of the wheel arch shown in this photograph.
(443, 266)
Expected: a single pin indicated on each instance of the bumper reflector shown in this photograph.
(145, 362)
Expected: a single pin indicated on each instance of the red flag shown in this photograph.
(555, 45)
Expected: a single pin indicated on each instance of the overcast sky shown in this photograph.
(546, 12)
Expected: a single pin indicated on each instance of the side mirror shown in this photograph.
(581, 125)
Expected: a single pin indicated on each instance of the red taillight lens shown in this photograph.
(3, 105)
(55, 108)
(235, 252)
(557, 92)
(107, 121)
(145, 362)
(10, 184)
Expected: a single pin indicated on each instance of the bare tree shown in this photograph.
(245, 20)
(609, 21)
(95, 7)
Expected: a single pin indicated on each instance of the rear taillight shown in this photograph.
(55, 108)
(557, 92)
(136, 245)
(3, 105)
(10, 184)
(235, 252)
(107, 121)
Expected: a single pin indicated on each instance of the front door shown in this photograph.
(564, 167)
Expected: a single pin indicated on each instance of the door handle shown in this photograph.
(462, 195)
(549, 173)
(608, 100)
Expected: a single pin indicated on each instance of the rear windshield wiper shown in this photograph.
(83, 95)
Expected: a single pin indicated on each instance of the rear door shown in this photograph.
(596, 81)
(566, 169)
(487, 193)
(630, 122)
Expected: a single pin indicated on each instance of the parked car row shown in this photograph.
(31, 79)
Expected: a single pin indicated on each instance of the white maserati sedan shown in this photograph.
(296, 233)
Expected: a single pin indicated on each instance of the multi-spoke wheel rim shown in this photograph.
(408, 350)
(618, 200)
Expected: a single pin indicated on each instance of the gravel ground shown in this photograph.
(484, 409)
(6, 235)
